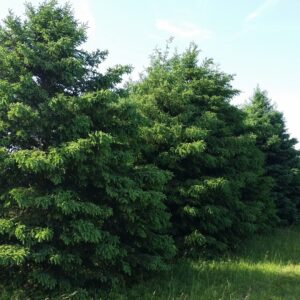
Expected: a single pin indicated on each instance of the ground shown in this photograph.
(267, 268)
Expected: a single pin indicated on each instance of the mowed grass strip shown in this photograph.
(267, 268)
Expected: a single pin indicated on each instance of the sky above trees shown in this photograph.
(256, 40)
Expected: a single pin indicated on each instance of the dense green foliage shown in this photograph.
(282, 159)
(218, 193)
(97, 180)
(76, 208)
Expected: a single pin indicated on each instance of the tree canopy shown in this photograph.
(102, 183)
(282, 158)
(194, 132)
(76, 209)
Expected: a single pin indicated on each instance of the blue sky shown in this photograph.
(258, 40)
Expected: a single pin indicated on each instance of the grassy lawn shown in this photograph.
(267, 268)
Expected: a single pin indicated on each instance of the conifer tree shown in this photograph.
(76, 209)
(218, 193)
(282, 159)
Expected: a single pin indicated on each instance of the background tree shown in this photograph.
(76, 208)
(218, 193)
(282, 159)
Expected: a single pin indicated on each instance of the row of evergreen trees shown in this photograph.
(99, 183)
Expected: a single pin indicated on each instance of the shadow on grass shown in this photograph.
(221, 280)
(267, 268)
(282, 246)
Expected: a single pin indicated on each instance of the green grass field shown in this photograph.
(267, 268)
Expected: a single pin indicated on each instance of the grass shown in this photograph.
(267, 268)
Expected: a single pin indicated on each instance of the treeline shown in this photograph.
(102, 184)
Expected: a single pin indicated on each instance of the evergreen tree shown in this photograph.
(218, 193)
(76, 209)
(282, 159)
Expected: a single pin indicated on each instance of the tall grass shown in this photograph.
(267, 268)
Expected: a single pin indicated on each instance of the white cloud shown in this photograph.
(258, 11)
(184, 30)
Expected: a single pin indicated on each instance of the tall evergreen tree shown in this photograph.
(218, 193)
(76, 209)
(282, 159)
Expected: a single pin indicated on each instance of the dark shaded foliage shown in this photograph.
(218, 193)
(282, 159)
